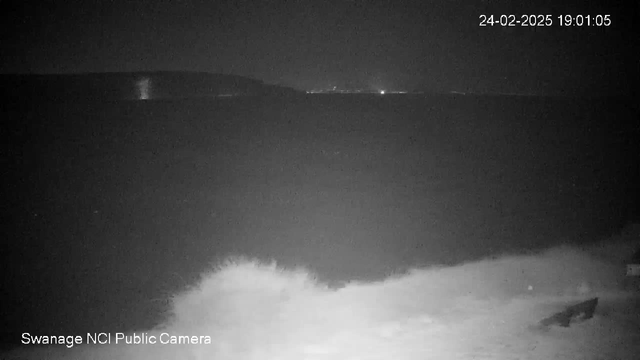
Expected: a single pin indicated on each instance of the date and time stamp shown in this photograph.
(545, 20)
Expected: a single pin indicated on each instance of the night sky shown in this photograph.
(371, 44)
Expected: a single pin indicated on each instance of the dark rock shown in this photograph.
(574, 313)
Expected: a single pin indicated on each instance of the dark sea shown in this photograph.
(112, 206)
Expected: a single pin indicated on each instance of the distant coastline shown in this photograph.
(134, 86)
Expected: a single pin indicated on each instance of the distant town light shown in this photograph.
(144, 88)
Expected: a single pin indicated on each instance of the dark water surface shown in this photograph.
(113, 205)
